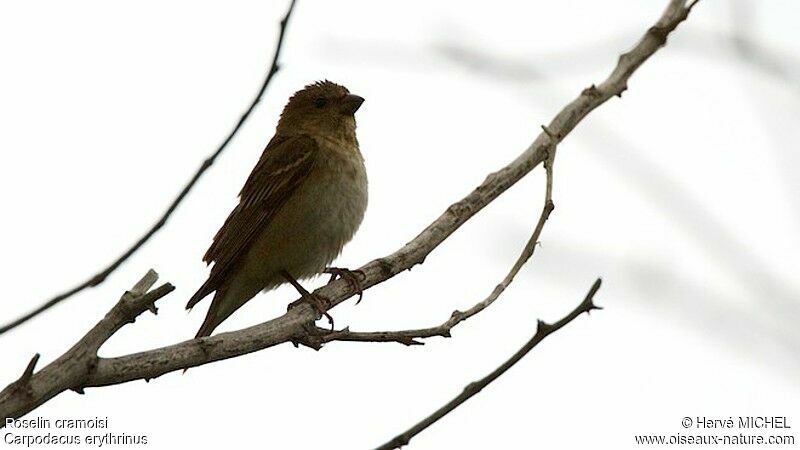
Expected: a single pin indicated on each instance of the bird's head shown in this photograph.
(322, 107)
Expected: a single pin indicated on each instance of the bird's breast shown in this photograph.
(339, 195)
(315, 223)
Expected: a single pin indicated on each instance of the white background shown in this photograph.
(683, 195)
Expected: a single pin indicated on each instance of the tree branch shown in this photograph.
(80, 367)
(101, 276)
(71, 370)
(543, 330)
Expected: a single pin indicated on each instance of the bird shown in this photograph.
(303, 201)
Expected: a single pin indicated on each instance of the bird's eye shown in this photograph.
(320, 102)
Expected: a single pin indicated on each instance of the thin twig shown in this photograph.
(543, 330)
(62, 374)
(103, 274)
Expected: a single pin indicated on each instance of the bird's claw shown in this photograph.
(318, 302)
(352, 277)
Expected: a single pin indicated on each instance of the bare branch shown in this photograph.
(101, 276)
(543, 330)
(80, 367)
(71, 369)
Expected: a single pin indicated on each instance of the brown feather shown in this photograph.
(284, 164)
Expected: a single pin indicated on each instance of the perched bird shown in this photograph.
(302, 202)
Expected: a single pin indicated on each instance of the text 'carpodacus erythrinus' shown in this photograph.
(302, 202)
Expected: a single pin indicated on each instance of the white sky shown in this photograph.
(683, 195)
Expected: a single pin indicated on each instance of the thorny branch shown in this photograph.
(101, 276)
(80, 367)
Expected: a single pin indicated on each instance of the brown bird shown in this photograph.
(302, 202)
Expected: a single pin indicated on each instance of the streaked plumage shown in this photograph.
(303, 201)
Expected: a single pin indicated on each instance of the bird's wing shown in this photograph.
(283, 166)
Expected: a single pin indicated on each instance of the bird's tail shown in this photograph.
(227, 299)
(215, 314)
(201, 293)
(229, 296)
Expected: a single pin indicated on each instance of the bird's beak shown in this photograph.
(350, 103)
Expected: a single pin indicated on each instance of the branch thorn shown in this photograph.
(23, 383)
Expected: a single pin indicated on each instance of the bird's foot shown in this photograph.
(352, 277)
(318, 302)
